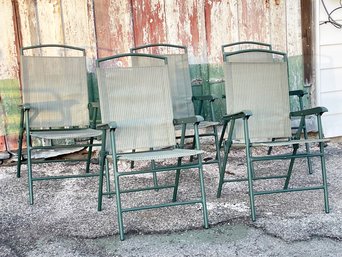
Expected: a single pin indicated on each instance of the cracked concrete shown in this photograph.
(64, 220)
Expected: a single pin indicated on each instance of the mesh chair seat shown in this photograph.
(66, 134)
(159, 155)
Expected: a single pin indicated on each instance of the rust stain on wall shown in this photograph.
(106, 27)
(254, 21)
(194, 21)
(149, 22)
(113, 27)
(17, 34)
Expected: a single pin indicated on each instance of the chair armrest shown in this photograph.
(25, 107)
(94, 105)
(205, 98)
(192, 119)
(299, 93)
(316, 110)
(238, 115)
(110, 125)
(94, 108)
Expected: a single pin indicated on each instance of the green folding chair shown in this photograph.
(136, 110)
(181, 90)
(55, 109)
(258, 110)
(258, 56)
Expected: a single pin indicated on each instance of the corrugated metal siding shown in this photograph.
(111, 27)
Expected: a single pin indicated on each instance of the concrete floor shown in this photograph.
(64, 220)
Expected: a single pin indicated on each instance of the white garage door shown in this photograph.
(329, 66)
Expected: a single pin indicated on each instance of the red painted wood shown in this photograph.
(113, 26)
(2, 144)
(149, 22)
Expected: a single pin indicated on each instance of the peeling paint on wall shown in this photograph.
(110, 27)
(8, 61)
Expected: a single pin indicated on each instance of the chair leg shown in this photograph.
(307, 149)
(90, 149)
(289, 171)
(270, 148)
(203, 198)
(224, 127)
(102, 163)
(217, 146)
(222, 170)
(154, 174)
(250, 172)
(132, 162)
(20, 143)
(29, 172)
(324, 178)
(20, 151)
(175, 189)
(193, 147)
(107, 177)
(118, 204)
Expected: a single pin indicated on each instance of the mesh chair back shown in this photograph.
(261, 87)
(138, 99)
(56, 89)
(180, 82)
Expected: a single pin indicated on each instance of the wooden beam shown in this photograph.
(307, 39)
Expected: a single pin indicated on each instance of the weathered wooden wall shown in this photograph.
(106, 27)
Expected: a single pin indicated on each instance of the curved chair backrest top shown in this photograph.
(134, 49)
(118, 56)
(247, 51)
(52, 46)
(255, 45)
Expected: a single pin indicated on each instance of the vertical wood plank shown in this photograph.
(185, 25)
(221, 26)
(293, 28)
(278, 25)
(254, 23)
(28, 22)
(78, 27)
(50, 25)
(8, 53)
(307, 41)
(113, 22)
(149, 22)
(8, 68)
